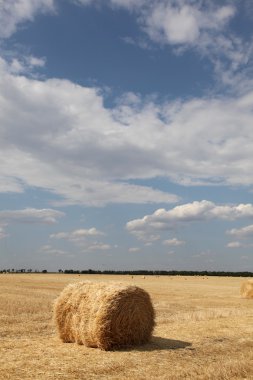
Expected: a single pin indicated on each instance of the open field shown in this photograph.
(204, 330)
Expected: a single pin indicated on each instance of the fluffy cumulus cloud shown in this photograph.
(234, 244)
(240, 233)
(183, 21)
(196, 24)
(27, 216)
(174, 22)
(185, 24)
(173, 242)
(59, 136)
(85, 239)
(202, 26)
(240, 244)
(25, 64)
(134, 249)
(96, 246)
(78, 235)
(162, 220)
(63, 139)
(31, 215)
(14, 12)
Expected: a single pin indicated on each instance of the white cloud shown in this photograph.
(147, 237)
(202, 26)
(98, 247)
(9, 185)
(237, 244)
(184, 23)
(58, 136)
(30, 215)
(14, 12)
(87, 232)
(134, 249)
(48, 249)
(173, 242)
(79, 235)
(234, 244)
(35, 61)
(162, 219)
(25, 64)
(43, 121)
(27, 216)
(244, 232)
(16, 66)
(84, 239)
(174, 22)
(196, 24)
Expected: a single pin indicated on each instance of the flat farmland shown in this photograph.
(204, 330)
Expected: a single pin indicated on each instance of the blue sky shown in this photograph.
(126, 134)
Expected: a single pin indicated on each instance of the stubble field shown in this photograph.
(204, 330)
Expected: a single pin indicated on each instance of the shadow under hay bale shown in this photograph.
(104, 315)
(247, 289)
(158, 344)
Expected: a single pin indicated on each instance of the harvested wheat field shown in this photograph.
(204, 330)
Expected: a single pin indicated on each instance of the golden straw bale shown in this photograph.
(247, 289)
(104, 315)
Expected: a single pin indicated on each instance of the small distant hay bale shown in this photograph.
(104, 315)
(247, 289)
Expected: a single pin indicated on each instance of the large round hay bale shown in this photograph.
(247, 289)
(104, 315)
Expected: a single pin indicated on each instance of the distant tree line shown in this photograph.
(137, 272)
(22, 271)
(160, 273)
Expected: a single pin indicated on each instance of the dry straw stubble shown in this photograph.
(247, 289)
(104, 315)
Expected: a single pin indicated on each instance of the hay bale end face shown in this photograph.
(104, 315)
(247, 289)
